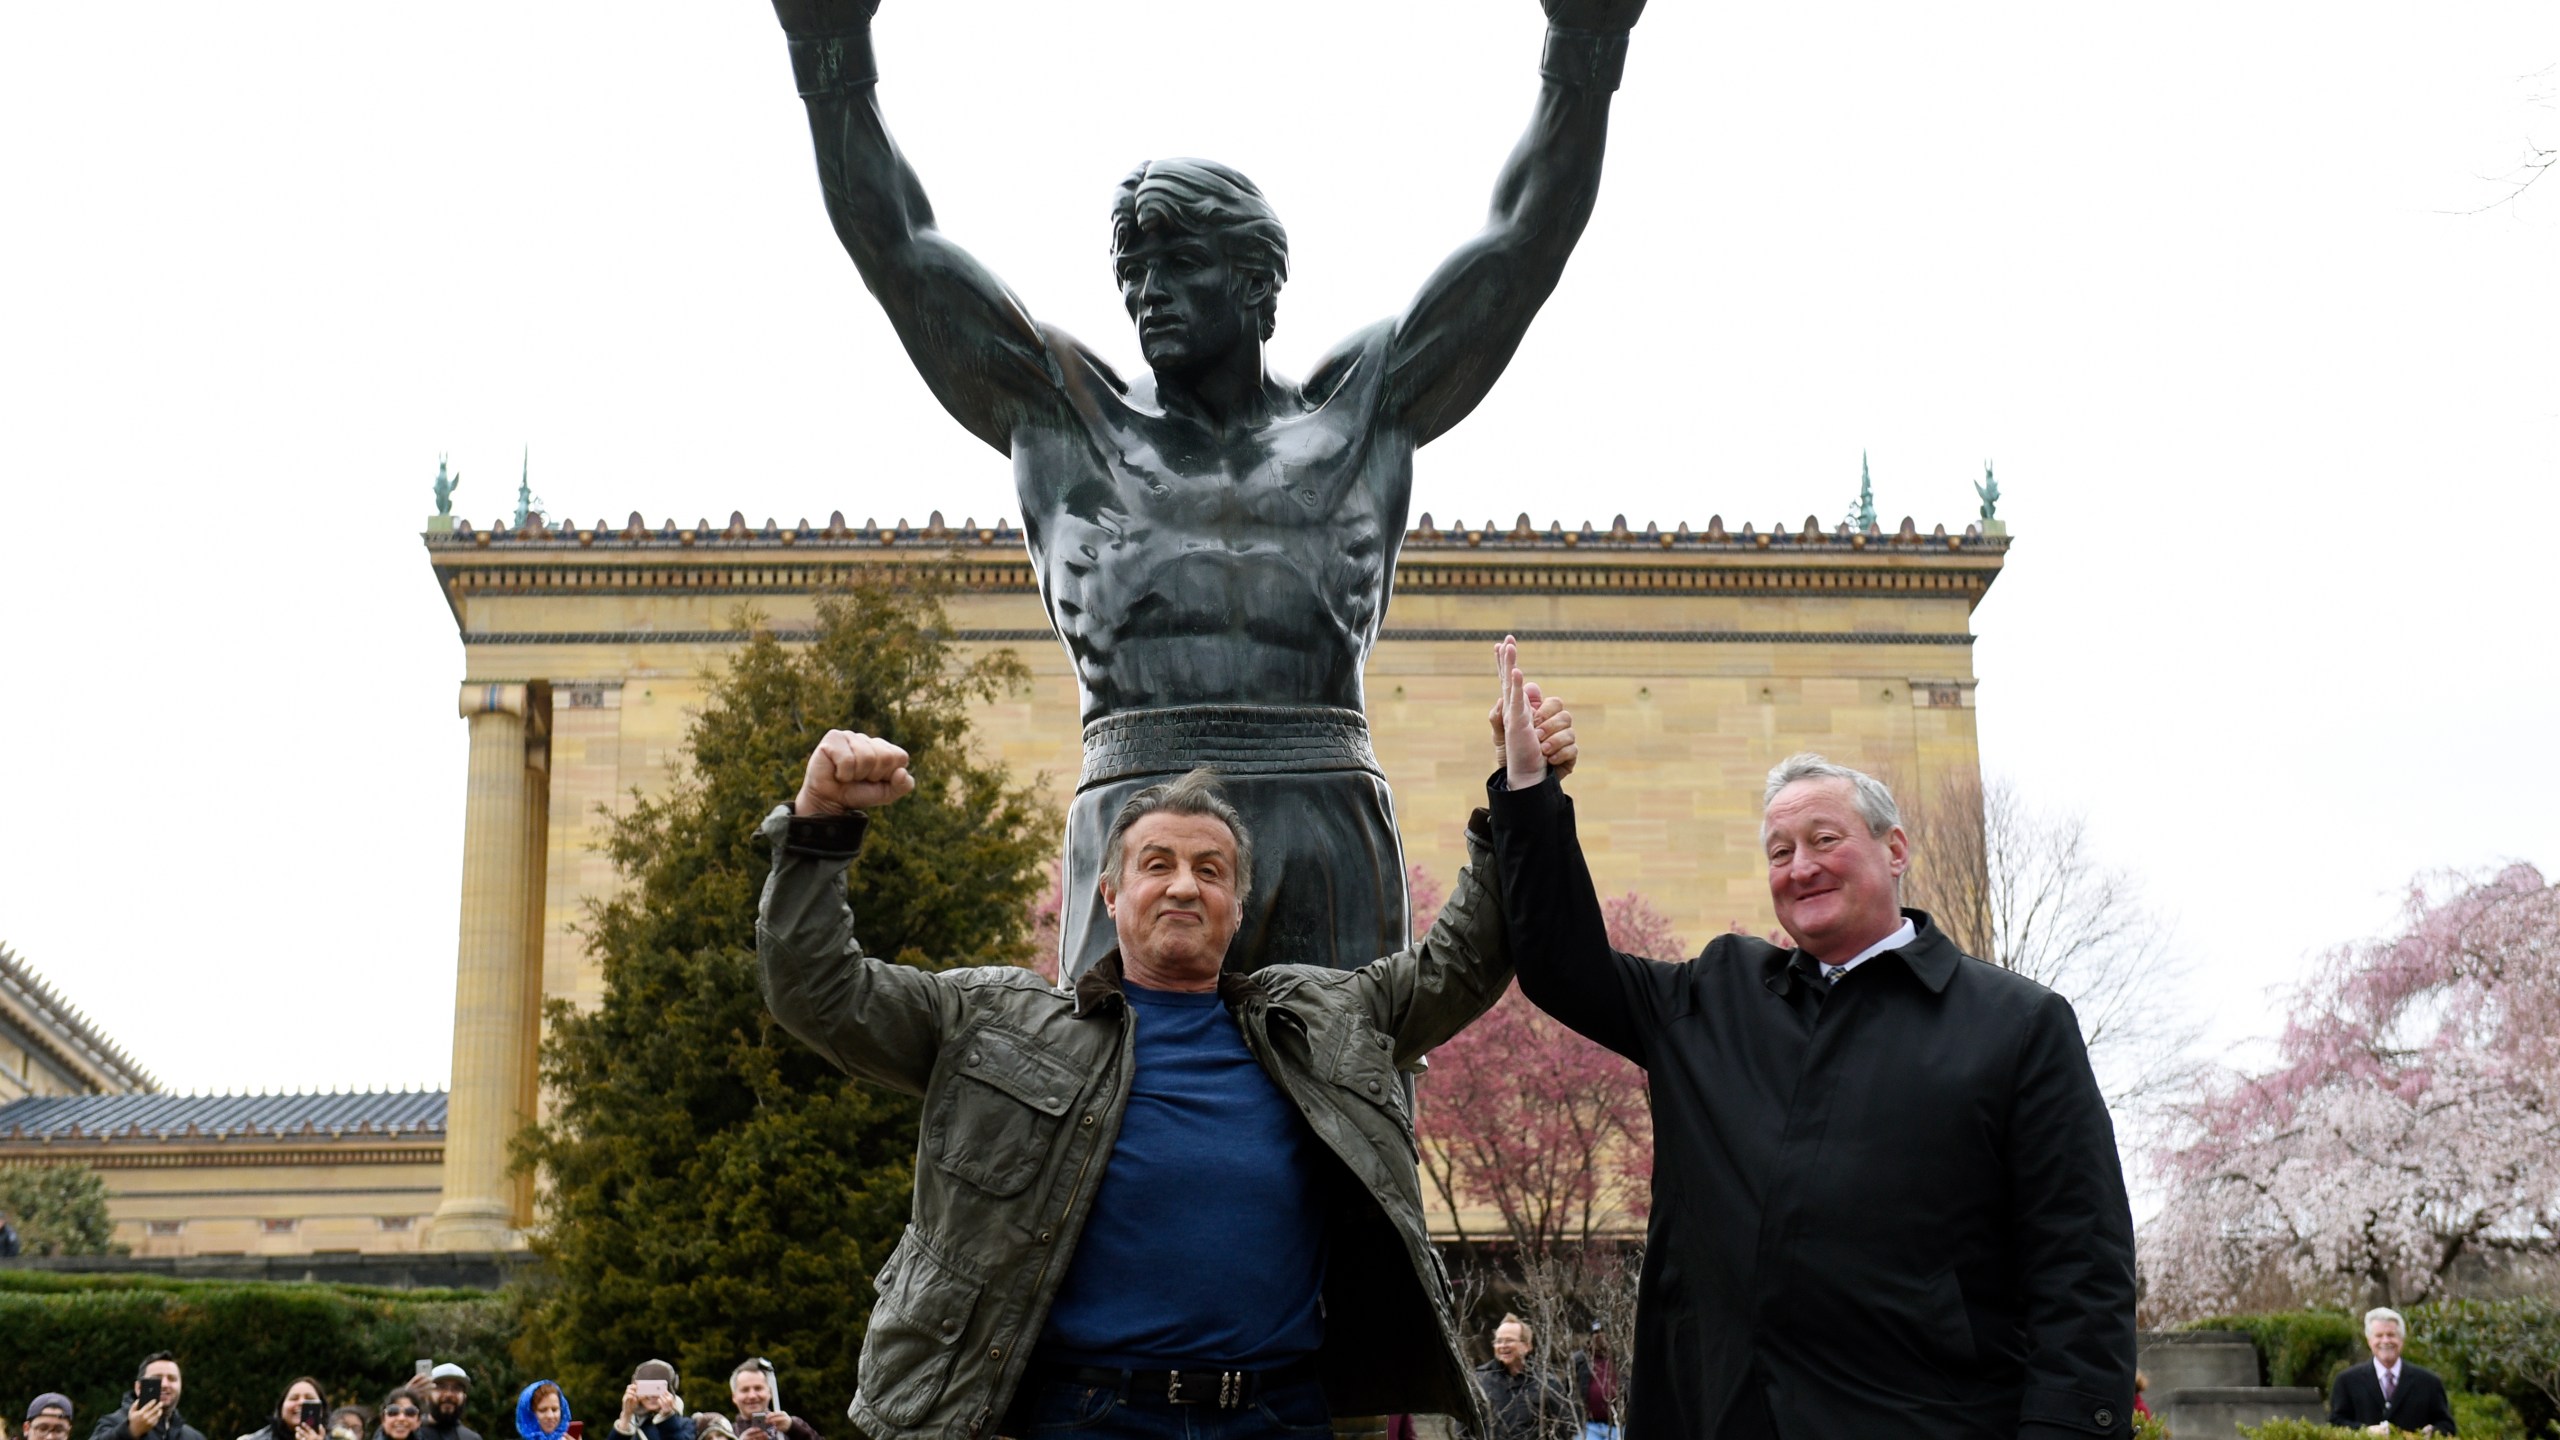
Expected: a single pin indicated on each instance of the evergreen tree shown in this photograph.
(58, 1209)
(711, 1188)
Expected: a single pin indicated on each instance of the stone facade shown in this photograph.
(1693, 661)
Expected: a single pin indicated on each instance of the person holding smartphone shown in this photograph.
(448, 1389)
(650, 1407)
(757, 1393)
(303, 1414)
(150, 1411)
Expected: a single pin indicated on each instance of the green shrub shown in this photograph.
(2300, 1430)
(2508, 1348)
(2485, 1417)
(240, 1343)
(2298, 1347)
(2149, 1427)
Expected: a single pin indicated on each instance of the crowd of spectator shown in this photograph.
(434, 1404)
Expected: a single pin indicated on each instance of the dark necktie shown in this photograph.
(2389, 1384)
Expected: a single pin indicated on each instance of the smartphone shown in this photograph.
(653, 1389)
(426, 1368)
(315, 1414)
(148, 1391)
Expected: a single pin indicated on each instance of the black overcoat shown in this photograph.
(1896, 1210)
(2417, 1401)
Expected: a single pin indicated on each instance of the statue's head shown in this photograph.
(1200, 257)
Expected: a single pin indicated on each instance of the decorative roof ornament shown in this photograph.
(526, 504)
(1989, 490)
(445, 486)
(1862, 513)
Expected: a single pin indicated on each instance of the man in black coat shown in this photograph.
(2389, 1391)
(1886, 1198)
(152, 1415)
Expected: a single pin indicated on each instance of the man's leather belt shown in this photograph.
(1230, 739)
(1219, 1389)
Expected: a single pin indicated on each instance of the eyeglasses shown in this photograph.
(49, 1427)
(398, 1410)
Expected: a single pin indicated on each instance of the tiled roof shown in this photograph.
(384, 1113)
(64, 1026)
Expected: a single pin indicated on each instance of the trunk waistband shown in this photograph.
(1230, 739)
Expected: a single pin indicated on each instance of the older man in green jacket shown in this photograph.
(1166, 1190)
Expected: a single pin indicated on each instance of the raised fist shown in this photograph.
(852, 771)
(827, 17)
(1588, 14)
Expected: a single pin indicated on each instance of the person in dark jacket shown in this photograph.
(757, 1393)
(448, 1390)
(1525, 1399)
(8, 1237)
(651, 1409)
(1886, 1198)
(155, 1417)
(289, 1420)
(2390, 1391)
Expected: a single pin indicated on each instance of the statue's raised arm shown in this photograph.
(1461, 330)
(970, 338)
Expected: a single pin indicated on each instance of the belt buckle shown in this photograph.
(1173, 1390)
(1230, 1389)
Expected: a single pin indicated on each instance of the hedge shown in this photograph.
(2500, 1359)
(241, 1343)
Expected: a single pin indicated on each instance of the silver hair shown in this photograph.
(1874, 800)
(1194, 794)
(772, 1382)
(2380, 1313)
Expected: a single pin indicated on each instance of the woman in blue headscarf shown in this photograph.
(542, 1412)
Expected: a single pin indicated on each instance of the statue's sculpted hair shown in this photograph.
(1205, 198)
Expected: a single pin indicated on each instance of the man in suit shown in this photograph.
(1886, 1199)
(2390, 1391)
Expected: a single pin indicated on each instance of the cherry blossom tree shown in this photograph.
(2412, 1118)
(1522, 1115)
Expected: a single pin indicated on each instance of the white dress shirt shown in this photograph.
(1902, 935)
(2389, 1375)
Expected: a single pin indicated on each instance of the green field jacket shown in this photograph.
(1024, 1084)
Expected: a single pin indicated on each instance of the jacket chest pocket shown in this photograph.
(1363, 1066)
(1000, 1111)
(916, 1325)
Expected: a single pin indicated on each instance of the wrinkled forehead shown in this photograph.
(1190, 836)
(1816, 797)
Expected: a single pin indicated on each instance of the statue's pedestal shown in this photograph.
(1995, 527)
(439, 524)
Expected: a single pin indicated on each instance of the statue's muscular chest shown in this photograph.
(1157, 524)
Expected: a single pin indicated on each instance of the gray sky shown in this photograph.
(2277, 425)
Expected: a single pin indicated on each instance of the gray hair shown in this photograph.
(2380, 1313)
(1874, 800)
(1194, 794)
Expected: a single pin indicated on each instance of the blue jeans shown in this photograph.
(1286, 1413)
(1599, 1430)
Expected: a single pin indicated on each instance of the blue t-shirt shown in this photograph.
(1206, 1246)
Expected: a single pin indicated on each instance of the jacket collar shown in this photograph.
(1099, 987)
(1931, 956)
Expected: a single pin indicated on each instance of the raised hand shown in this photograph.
(825, 17)
(852, 771)
(1591, 14)
(1532, 731)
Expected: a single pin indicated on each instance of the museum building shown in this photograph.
(1693, 659)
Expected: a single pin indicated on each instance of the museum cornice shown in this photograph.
(742, 559)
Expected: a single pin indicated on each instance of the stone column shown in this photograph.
(478, 1212)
